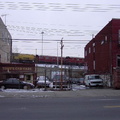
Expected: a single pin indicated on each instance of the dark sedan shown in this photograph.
(16, 84)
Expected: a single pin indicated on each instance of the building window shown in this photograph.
(47, 58)
(28, 77)
(119, 36)
(106, 38)
(94, 64)
(86, 53)
(77, 59)
(89, 50)
(93, 44)
(102, 42)
(118, 60)
(3, 35)
(94, 49)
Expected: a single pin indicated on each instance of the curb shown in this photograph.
(66, 94)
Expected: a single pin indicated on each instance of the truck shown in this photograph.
(93, 80)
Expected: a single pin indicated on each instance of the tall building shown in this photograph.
(5, 44)
(102, 53)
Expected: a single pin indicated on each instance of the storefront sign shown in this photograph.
(17, 68)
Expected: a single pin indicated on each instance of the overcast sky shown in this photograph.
(76, 21)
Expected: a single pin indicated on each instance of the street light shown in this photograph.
(42, 43)
(61, 63)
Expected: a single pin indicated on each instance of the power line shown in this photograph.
(46, 40)
(43, 6)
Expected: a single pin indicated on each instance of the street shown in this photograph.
(80, 108)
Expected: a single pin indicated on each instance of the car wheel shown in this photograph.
(2, 87)
(90, 86)
(86, 85)
(25, 87)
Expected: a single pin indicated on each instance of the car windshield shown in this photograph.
(81, 79)
(94, 77)
(58, 77)
(12, 80)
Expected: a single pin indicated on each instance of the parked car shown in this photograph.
(15, 83)
(58, 83)
(93, 80)
(43, 81)
(74, 80)
(80, 81)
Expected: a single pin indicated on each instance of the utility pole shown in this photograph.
(61, 63)
(36, 51)
(42, 43)
(57, 55)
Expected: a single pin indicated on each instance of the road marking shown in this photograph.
(102, 99)
(111, 106)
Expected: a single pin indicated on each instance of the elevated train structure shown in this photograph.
(57, 60)
(44, 59)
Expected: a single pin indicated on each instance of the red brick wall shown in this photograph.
(106, 49)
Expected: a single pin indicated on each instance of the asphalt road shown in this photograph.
(79, 108)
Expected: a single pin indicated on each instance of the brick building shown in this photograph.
(102, 53)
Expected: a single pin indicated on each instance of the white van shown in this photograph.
(93, 80)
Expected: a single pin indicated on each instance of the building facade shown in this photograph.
(102, 53)
(24, 72)
(5, 44)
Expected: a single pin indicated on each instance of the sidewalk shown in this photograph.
(45, 94)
